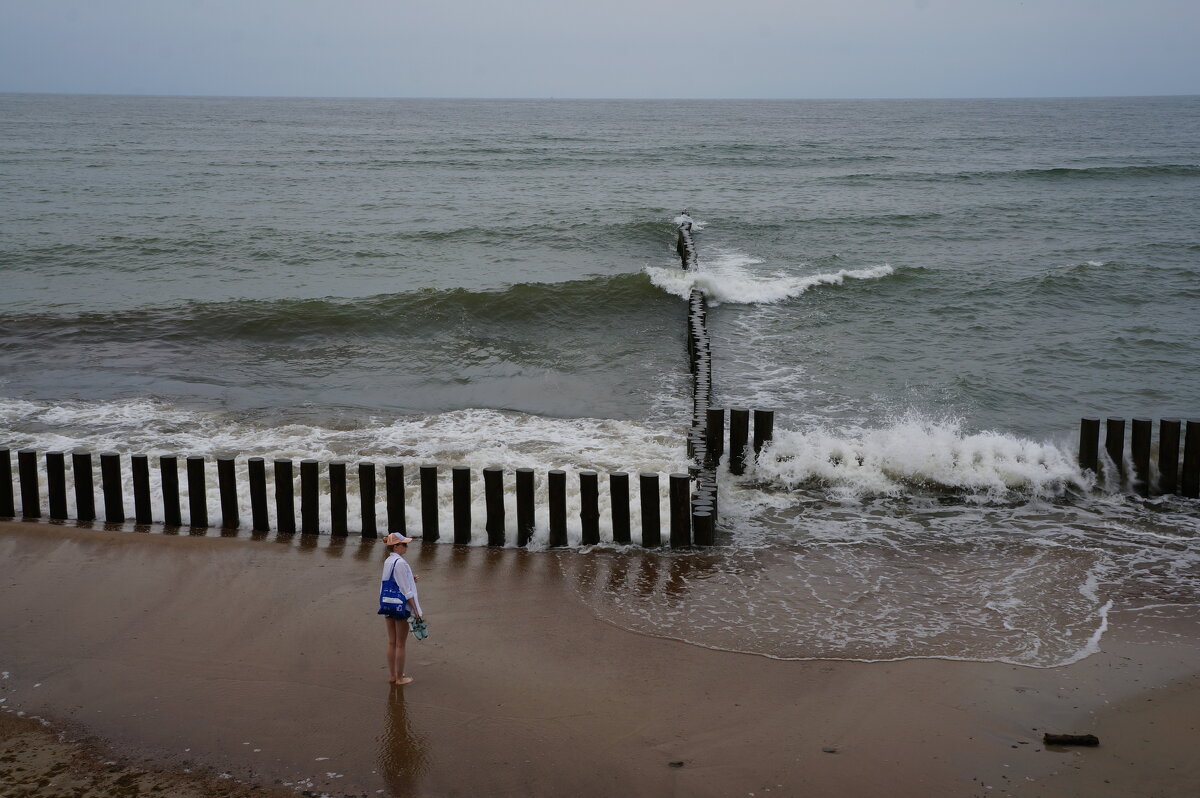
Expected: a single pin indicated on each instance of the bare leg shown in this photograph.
(401, 652)
(393, 671)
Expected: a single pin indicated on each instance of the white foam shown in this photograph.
(474, 438)
(683, 218)
(919, 453)
(728, 276)
(1092, 646)
(864, 597)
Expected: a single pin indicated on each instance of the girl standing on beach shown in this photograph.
(398, 581)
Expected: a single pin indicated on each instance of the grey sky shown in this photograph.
(603, 48)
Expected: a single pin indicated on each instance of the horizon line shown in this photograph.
(542, 98)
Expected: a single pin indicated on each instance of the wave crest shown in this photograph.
(915, 454)
(428, 311)
(729, 278)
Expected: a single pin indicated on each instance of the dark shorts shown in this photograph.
(395, 616)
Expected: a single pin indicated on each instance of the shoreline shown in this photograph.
(264, 661)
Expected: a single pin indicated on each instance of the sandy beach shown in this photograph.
(258, 663)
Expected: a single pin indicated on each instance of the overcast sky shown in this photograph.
(602, 48)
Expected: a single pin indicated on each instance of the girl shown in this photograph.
(397, 576)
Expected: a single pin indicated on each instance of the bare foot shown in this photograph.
(403, 680)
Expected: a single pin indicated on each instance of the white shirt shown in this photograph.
(404, 578)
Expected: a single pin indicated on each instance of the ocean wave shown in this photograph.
(920, 455)
(431, 310)
(728, 277)
(1041, 174)
(476, 438)
(568, 230)
(1147, 170)
(1111, 282)
(473, 437)
(683, 218)
(194, 248)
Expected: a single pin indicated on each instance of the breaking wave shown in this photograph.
(730, 277)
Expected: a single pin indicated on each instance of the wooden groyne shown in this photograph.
(1171, 474)
(706, 433)
(685, 245)
(704, 502)
(693, 501)
(272, 489)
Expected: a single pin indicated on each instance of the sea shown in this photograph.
(928, 293)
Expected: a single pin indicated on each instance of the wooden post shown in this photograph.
(56, 485)
(1190, 479)
(110, 480)
(460, 486)
(1168, 455)
(168, 470)
(1114, 443)
(702, 504)
(699, 447)
(429, 503)
(366, 498)
(1139, 446)
(764, 429)
(227, 488)
(337, 499)
(197, 492)
(310, 497)
(7, 505)
(139, 464)
(31, 500)
(493, 498)
(589, 507)
(393, 485)
(556, 487)
(285, 498)
(1089, 444)
(651, 521)
(525, 508)
(702, 524)
(681, 526)
(739, 429)
(618, 496)
(256, 474)
(708, 485)
(715, 436)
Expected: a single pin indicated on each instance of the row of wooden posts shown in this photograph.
(691, 522)
(681, 526)
(706, 436)
(705, 502)
(692, 518)
(1174, 477)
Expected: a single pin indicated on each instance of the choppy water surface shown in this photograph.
(930, 294)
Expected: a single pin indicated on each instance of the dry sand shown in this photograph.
(263, 660)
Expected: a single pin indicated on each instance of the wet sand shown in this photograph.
(263, 659)
(38, 759)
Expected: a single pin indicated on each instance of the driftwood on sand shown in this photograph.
(1070, 739)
